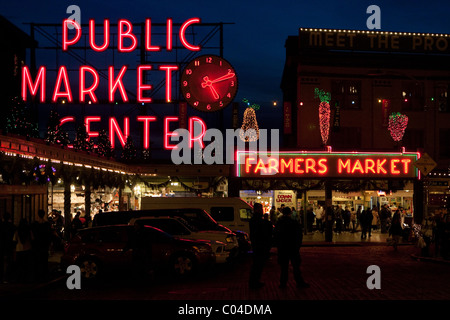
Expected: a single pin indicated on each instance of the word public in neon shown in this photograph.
(127, 41)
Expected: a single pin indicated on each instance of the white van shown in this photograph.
(233, 213)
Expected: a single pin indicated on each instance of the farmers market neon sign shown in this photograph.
(327, 164)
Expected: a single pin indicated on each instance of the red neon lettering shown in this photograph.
(393, 168)
(66, 119)
(114, 83)
(323, 166)
(297, 165)
(380, 164)
(273, 164)
(247, 164)
(140, 86)
(370, 165)
(114, 128)
(126, 34)
(342, 165)
(169, 35)
(310, 165)
(105, 44)
(146, 121)
(198, 138)
(405, 165)
(87, 121)
(168, 134)
(66, 42)
(284, 165)
(260, 166)
(183, 28)
(168, 80)
(148, 37)
(62, 76)
(92, 88)
(357, 166)
(28, 83)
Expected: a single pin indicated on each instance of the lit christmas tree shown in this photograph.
(129, 150)
(82, 141)
(249, 122)
(54, 132)
(19, 119)
(104, 145)
(324, 113)
(397, 125)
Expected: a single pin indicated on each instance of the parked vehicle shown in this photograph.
(233, 213)
(222, 242)
(196, 217)
(107, 248)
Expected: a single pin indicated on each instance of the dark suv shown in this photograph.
(121, 247)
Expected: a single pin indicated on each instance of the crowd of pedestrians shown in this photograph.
(25, 247)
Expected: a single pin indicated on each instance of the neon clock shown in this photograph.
(209, 83)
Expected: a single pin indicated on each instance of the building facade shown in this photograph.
(370, 76)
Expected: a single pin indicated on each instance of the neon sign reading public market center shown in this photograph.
(127, 42)
(326, 165)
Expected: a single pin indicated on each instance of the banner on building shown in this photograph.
(287, 108)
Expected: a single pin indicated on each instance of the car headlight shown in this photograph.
(203, 248)
(230, 239)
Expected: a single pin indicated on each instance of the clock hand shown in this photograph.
(208, 82)
(229, 75)
(214, 92)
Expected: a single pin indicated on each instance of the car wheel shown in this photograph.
(183, 264)
(89, 268)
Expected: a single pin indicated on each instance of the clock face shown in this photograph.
(209, 83)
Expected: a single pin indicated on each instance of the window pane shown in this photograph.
(222, 213)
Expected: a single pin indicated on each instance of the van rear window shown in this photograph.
(222, 213)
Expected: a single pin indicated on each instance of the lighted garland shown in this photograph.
(397, 125)
(249, 129)
(324, 113)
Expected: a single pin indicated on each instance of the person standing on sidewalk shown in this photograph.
(42, 236)
(261, 238)
(396, 230)
(288, 238)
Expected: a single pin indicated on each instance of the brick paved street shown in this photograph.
(335, 271)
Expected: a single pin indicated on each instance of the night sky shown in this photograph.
(254, 43)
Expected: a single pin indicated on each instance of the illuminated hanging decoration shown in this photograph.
(249, 122)
(324, 113)
(397, 125)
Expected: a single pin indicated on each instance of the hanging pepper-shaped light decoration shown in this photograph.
(324, 113)
(249, 122)
(397, 125)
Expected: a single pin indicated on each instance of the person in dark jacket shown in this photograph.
(261, 238)
(288, 238)
(396, 230)
(366, 223)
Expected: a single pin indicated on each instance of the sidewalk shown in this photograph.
(345, 238)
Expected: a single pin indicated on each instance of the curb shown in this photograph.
(429, 259)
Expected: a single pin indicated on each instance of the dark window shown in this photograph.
(222, 213)
(442, 100)
(167, 225)
(444, 143)
(413, 139)
(109, 236)
(412, 96)
(346, 138)
(346, 93)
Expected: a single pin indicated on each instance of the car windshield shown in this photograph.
(188, 225)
